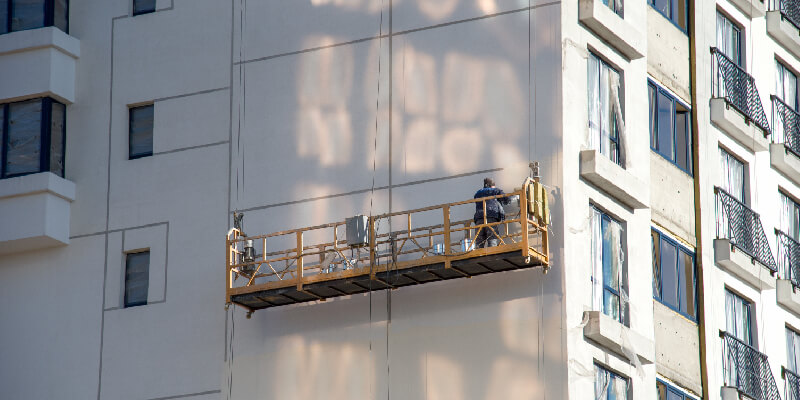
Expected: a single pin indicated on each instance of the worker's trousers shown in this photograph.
(488, 235)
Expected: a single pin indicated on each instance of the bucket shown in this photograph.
(467, 245)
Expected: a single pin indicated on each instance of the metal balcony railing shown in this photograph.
(738, 88)
(747, 369)
(742, 226)
(788, 258)
(790, 10)
(790, 125)
(792, 389)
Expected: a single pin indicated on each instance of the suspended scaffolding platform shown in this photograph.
(395, 249)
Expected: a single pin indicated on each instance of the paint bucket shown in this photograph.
(466, 245)
(438, 249)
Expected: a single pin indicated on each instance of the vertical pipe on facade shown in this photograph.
(701, 309)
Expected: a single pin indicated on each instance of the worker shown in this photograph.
(488, 235)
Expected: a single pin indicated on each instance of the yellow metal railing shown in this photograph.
(397, 241)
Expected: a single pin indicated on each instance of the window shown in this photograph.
(673, 275)
(609, 292)
(143, 6)
(140, 132)
(792, 350)
(738, 316)
(605, 110)
(20, 15)
(669, 392)
(788, 237)
(33, 133)
(732, 173)
(676, 11)
(137, 278)
(615, 6)
(729, 39)
(786, 92)
(670, 128)
(609, 385)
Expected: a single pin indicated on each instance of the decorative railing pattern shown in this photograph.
(747, 369)
(742, 226)
(738, 88)
(790, 10)
(788, 257)
(792, 385)
(790, 121)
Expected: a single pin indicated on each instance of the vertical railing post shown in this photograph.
(299, 261)
(446, 215)
(523, 219)
(227, 269)
(372, 235)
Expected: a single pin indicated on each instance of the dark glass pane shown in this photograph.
(137, 271)
(57, 133)
(61, 15)
(681, 145)
(2, 127)
(662, 391)
(669, 274)
(4, 16)
(611, 305)
(663, 7)
(141, 131)
(665, 138)
(143, 6)
(651, 95)
(686, 269)
(24, 137)
(27, 14)
(656, 245)
(671, 395)
(681, 14)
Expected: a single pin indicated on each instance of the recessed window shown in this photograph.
(785, 106)
(137, 278)
(33, 133)
(732, 172)
(605, 108)
(669, 392)
(20, 15)
(615, 5)
(729, 39)
(143, 6)
(676, 11)
(608, 268)
(670, 128)
(140, 132)
(609, 385)
(738, 312)
(673, 275)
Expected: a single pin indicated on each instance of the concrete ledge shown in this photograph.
(788, 296)
(729, 393)
(613, 179)
(734, 124)
(611, 27)
(785, 161)
(742, 265)
(48, 57)
(35, 210)
(608, 333)
(751, 8)
(784, 32)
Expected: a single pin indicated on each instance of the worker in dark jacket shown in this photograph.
(487, 236)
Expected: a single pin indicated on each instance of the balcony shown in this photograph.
(741, 242)
(612, 27)
(746, 370)
(736, 105)
(428, 244)
(614, 180)
(752, 8)
(789, 269)
(783, 21)
(785, 152)
(792, 384)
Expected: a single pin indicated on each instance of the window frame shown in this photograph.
(148, 11)
(674, 389)
(49, 16)
(752, 340)
(125, 302)
(617, 137)
(654, 134)
(623, 317)
(45, 137)
(739, 30)
(745, 176)
(672, 9)
(131, 109)
(783, 69)
(611, 376)
(795, 338)
(680, 249)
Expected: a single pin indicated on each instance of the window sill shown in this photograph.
(784, 32)
(35, 211)
(611, 27)
(788, 296)
(613, 179)
(785, 161)
(742, 265)
(47, 55)
(751, 8)
(735, 125)
(609, 334)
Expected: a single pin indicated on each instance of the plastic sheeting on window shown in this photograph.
(608, 386)
(606, 125)
(608, 285)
